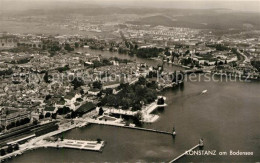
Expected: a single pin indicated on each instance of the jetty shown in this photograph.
(193, 148)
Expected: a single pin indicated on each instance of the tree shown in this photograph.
(142, 81)
(68, 48)
(35, 122)
(47, 97)
(41, 116)
(27, 120)
(64, 110)
(16, 147)
(167, 53)
(13, 124)
(2, 152)
(46, 77)
(125, 103)
(77, 82)
(101, 111)
(99, 140)
(9, 149)
(97, 84)
(54, 116)
(137, 118)
(108, 91)
(82, 92)
(17, 123)
(160, 101)
(136, 106)
(61, 138)
(22, 122)
(152, 85)
(76, 44)
(73, 114)
(47, 115)
(43, 47)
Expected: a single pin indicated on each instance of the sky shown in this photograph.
(241, 5)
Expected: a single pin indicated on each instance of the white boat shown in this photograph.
(205, 91)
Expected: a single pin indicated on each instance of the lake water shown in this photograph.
(227, 117)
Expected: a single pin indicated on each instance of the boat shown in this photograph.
(205, 91)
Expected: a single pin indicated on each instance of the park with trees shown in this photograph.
(131, 96)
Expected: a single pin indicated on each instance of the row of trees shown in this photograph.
(61, 111)
(48, 115)
(27, 45)
(9, 149)
(16, 123)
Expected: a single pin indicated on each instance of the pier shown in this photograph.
(173, 133)
(96, 146)
(193, 148)
(75, 144)
(149, 130)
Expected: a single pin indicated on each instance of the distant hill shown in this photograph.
(155, 20)
(220, 19)
(214, 20)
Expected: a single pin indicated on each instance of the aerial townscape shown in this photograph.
(91, 82)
